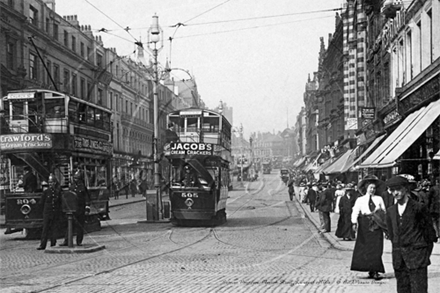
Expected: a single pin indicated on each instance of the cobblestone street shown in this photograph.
(267, 245)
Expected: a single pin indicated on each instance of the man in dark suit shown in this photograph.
(326, 206)
(83, 201)
(29, 180)
(412, 235)
(312, 194)
(51, 204)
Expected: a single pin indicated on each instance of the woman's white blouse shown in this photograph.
(361, 206)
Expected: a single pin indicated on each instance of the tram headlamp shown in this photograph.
(25, 209)
(189, 202)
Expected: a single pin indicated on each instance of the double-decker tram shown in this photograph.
(199, 157)
(44, 132)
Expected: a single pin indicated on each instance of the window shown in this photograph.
(66, 38)
(89, 52)
(430, 44)
(83, 89)
(49, 67)
(100, 95)
(10, 55)
(66, 81)
(33, 15)
(46, 28)
(99, 60)
(33, 66)
(90, 95)
(74, 84)
(56, 74)
(73, 44)
(117, 102)
(110, 102)
(55, 31)
(82, 49)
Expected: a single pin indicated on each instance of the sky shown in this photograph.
(253, 55)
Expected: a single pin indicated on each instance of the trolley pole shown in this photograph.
(155, 37)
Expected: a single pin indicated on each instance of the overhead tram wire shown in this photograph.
(184, 23)
(253, 27)
(127, 29)
(265, 17)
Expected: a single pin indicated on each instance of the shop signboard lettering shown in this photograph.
(26, 141)
(191, 148)
(84, 143)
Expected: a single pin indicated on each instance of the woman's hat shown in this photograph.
(349, 186)
(367, 180)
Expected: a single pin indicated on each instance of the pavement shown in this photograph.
(339, 243)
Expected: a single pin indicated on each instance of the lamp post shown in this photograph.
(155, 44)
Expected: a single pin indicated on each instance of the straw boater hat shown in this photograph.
(362, 186)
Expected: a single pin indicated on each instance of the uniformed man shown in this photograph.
(83, 200)
(51, 203)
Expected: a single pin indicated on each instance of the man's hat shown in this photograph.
(349, 186)
(27, 168)
(397, 181)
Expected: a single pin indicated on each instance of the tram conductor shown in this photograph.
(83, 201)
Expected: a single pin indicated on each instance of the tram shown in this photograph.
(199, 158)
(50, 132)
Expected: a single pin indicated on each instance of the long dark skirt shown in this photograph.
(345, 228)
(368, 249)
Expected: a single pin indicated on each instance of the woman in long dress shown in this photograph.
(346, 203)
(368, 249)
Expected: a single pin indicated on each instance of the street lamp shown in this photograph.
(155, 44)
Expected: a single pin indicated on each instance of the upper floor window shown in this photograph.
(73, 44)
(99, 60)
(55, 31)
(66, 38)
(33, 15)
(66, 81)
(10, 55)
(47, 24)
(33, 66)
(82, 52)
(89, 51)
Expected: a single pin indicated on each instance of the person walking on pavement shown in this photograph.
(29, 180)
(51, 205)
(368, 249)
(133, 187)
(83, 201)
(412, 236)
(346, 203)
(325, 207)
(434, 206)
(312, 195)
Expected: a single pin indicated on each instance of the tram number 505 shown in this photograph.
(189, 195)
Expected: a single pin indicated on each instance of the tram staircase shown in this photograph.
(33, 160)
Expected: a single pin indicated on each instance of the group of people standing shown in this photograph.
(52, 206)
(373, 210)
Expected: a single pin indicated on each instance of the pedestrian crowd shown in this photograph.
(399, 209)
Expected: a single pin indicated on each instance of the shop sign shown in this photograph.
(391, 117)
(92, 144)
(367, 113)
(26, 141)
(191, 148)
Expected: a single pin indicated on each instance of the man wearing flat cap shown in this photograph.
(412, 235)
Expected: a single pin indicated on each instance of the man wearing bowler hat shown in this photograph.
(412, 235)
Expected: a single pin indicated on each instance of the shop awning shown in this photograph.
(313, 165)
(437, 156)
(342, 164)
(299, 162)
(403, 137)
(324, 165)
(367, 151)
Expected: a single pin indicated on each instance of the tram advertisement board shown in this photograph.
(26, 141)
(191, 148)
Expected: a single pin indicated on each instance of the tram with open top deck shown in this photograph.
(199, 152)
(52, 132)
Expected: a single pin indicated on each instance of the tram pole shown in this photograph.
(155, 37)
